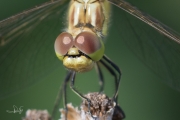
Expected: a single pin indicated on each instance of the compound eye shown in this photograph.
(63, 43)
(90, 44)
(87, 42)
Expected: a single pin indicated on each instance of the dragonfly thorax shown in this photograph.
(86, 13)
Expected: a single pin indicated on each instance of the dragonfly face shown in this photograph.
(80, 53)
(81, 46)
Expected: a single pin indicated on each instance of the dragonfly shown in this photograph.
(159, 51)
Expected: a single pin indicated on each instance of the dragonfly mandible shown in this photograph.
(17, 29)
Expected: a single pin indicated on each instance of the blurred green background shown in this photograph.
(142, 95)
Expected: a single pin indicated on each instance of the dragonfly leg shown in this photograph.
(117, 80)
(79, 94)
(62, 91)
(119, 77)
(101, 79)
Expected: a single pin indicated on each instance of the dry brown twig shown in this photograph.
(37, 115)
(101, 108)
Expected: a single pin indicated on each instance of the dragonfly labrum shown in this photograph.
(27, 42)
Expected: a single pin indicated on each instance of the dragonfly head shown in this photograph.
(79, 53)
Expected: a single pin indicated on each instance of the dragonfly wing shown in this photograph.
(157, 51)
(147, 19)
(27, 47)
